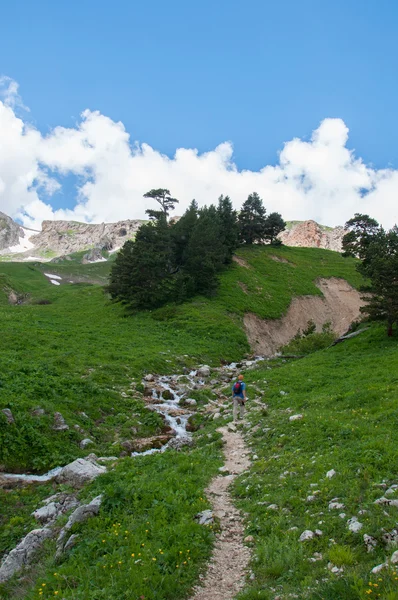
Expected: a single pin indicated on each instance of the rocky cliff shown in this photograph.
(65, 237)
(310, 234)
(61, 238)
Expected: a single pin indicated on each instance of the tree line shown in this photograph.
(377, 250)
(172, 260)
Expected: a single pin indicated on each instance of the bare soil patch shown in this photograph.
(340, 306)
(241, 261)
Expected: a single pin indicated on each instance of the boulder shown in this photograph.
(370, 542)
(149, 377)
(190, 402)
(295, 417)
(330, 473)
(204, 371)
(81, 514)
(23, 554)
(354, 525)
(80, 472)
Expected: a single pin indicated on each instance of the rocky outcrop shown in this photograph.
(23, 554)
(10, 232)
(65, 237)
(309, 234)
(80, 472)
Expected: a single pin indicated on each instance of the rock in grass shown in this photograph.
(394, 558)
(8, 415)
(59, 422)
(306, 536)
(336, 505)
(80, 472)
(296, 417)
(86, 442)
(354, 525)
(205, 517)
(81, 514)
(330, 473)
(190, 402)
(370, 542)
(23, 554)
(379, 568)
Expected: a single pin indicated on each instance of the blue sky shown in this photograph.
(196, 74)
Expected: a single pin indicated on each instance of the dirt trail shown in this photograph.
(228, 565)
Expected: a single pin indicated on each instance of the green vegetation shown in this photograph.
(80, 352)
(348, 396)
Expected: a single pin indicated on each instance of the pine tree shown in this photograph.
(228, 219)
(274, 225)
(252, 220)
(142, 275)
(380, 265)
(206, 253)
(361, 228)
(167, 203)
(182, 231)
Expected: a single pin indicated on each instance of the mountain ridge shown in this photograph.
(63, 237)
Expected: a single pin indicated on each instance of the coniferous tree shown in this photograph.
(142, 275)
(206, 252)
(182, 231)
(162, 196)
(252, 220)
(380, 265)
(361, 228)
(228, 220)
(274, 225)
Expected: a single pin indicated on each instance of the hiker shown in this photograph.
(239, 397)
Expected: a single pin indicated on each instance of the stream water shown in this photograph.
(176, 416)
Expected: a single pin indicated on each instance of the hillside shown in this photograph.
(70, 350)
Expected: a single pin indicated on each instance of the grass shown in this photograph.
(348, 396)
(81, 353)
(146, 542)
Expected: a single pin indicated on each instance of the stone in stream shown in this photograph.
(80, 472)
(203, 371)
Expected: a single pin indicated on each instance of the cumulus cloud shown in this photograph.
(318, 179)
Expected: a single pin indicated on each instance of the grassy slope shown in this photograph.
(348, 396)
(80, 352)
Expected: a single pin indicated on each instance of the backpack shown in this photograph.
(238, 388)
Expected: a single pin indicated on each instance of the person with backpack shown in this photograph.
(239, 397)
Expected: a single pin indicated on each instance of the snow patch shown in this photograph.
(51, 276)
(24, 243)
(55, 282)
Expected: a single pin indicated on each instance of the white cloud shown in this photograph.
(319, 179)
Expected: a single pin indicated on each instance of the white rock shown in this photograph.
(318, 532)
(46, 513)
(204, 371)
(370, 542)
(205, 517)
(86, 442)
(216, 416)
(190, 402)
(336, 505)
(80, 472)
(295, 417)
(394, 558)
(311, 498)
(330, 473)
(342, 515)
(306, 535)
(379, 568)
(255, 457)
(282, 393)
(354, 525)
(149, 377)
(272, 507)
(23, 553)
(81, 514)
